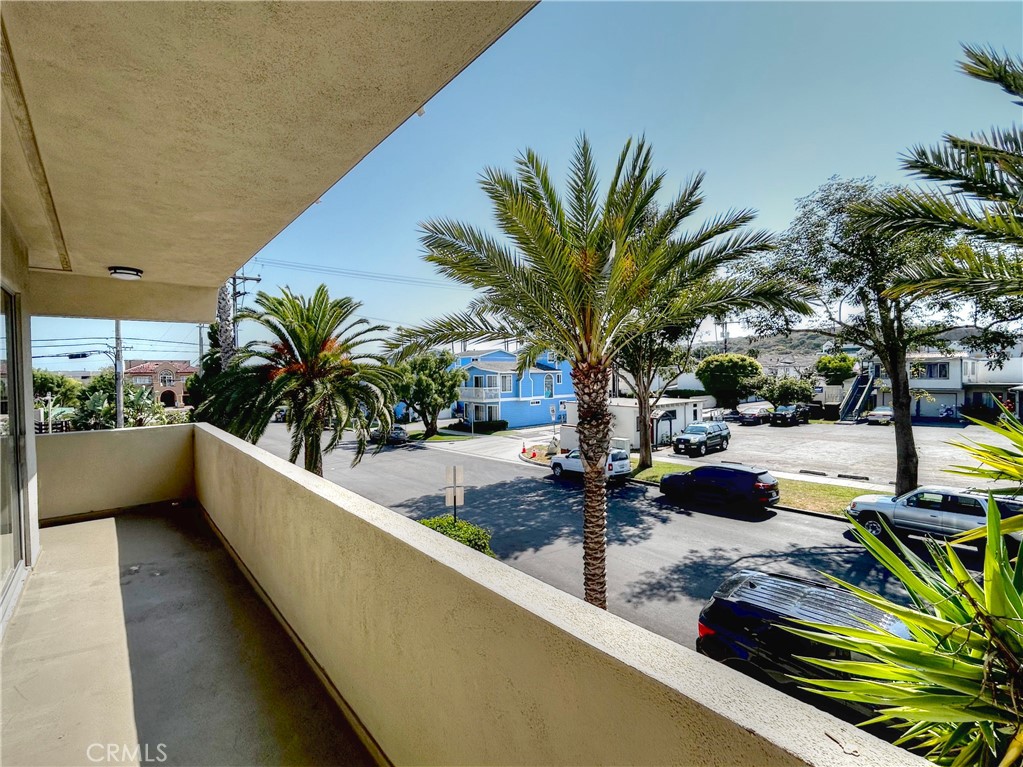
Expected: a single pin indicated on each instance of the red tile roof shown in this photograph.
(179, 366)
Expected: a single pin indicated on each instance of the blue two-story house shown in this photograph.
(495, 391)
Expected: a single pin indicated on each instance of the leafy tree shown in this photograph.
(831, 252)
(101, 383)
(581, 275)
(65, 390)
(727, 377)
(781, 390)
(428, 384)
(318, 366)
(836, 368)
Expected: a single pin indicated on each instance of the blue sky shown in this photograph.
(768, 99)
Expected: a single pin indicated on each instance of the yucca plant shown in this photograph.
(955, 685)
(995, 462)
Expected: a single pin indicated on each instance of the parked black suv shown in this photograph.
(741, 626)
(733, 484)
(698, 438)
(790, 415)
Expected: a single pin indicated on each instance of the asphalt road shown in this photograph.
(664, 562)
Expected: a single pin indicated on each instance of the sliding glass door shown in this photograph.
(10, 449)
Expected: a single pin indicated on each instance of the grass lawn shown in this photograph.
(418, 437)
(813, 496)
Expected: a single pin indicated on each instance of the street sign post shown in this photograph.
(454, 491)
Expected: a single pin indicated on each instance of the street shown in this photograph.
(664, 562)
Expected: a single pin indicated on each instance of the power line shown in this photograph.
(393, 279)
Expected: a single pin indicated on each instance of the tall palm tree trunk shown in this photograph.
(313, 452)
(594, 431)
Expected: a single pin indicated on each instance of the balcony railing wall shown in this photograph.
(479, 393)
(440, 654)
(90, 471)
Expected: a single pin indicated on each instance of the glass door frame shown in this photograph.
(17, 422)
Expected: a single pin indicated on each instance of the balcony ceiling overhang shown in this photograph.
(180, 138)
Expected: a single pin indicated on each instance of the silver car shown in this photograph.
(932, 510)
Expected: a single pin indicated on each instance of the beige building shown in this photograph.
(253, 613)
(165, 378)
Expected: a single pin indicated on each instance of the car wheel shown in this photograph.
(872, 524)
(724, 444)
(556, 468)
(702, 449)
(677, 449)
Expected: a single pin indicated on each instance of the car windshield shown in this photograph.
(619, 455)
(695, 429)
(786, 409)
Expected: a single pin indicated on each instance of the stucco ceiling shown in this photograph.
(181, 137)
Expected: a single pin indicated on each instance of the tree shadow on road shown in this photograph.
(530, 513)
(700, 571)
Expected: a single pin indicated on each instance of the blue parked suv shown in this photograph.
(742, 627)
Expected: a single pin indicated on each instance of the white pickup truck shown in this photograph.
(617, 465)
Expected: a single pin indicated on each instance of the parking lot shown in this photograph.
(858, 449)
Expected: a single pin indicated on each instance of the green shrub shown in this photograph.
(473, 536)
(685, 393)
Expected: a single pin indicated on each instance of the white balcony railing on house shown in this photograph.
(374, 599)
(479, 393)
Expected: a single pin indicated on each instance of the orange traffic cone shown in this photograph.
(523, 448)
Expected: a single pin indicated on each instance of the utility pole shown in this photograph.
(201, 351)
(118, 375)
(235, 295)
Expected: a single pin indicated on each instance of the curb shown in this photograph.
(526, 459)
(792, 509)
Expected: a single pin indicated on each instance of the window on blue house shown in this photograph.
(506, 382)
(548, 386)
(557, 379)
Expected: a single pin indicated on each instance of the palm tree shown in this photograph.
(581, 277)
(983, 200)
(317, 367)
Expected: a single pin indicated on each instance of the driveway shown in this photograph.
(664, 561)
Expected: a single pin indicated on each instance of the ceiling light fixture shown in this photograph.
(125, 272)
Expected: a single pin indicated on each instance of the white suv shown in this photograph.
(617, 465)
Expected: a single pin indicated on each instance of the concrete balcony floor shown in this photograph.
(139, 631)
